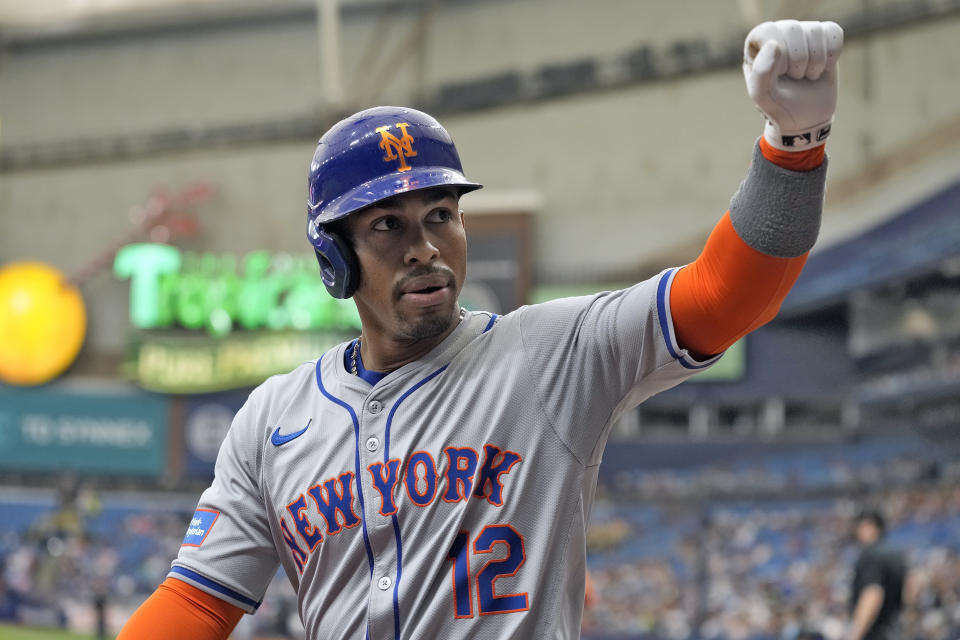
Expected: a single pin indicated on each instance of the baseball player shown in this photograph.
(433, 478)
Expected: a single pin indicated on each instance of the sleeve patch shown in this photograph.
(199, 528)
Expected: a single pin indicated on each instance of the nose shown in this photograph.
(420, 248)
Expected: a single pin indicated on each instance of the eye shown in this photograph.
(440, 215)
(386, 223)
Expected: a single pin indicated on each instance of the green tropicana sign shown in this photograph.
(207, 291)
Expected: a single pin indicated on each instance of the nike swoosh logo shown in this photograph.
(276, 439)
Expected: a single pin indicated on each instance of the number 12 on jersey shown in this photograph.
(488, 601)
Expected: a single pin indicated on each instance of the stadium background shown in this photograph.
(610, 136)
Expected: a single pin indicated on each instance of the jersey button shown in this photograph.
(384, 583)
(373, 444)
(374, 407)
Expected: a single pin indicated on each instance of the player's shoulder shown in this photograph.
(557, 307)
(550, 307)
(282, 389)
(277, 395)
(281, 383)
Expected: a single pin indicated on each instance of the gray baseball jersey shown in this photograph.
(450, 499)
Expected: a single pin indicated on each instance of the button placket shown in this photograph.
(371, 444)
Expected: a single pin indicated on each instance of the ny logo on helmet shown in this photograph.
(397, 148)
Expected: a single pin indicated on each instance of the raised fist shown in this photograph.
(791, 72)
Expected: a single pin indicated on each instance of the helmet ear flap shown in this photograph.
(339, 267)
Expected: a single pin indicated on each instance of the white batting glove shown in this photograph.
(791, 73)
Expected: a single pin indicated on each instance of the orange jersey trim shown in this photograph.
(731, 288)
(179, 610)
(794, 160)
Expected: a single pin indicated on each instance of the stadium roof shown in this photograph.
(915, 243)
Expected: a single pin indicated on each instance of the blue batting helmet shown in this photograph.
(365, 158)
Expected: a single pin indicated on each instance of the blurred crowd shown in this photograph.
(766, 566)
(801, 473)
(734, 552)
(81, 563)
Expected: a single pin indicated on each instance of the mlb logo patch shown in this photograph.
(199, 528)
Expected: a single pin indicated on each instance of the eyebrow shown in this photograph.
(437, 194)
(431, 196)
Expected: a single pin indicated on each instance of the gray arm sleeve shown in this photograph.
(592, 358)
(777, 211)
(228, 550)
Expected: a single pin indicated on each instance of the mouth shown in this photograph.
(427, 291)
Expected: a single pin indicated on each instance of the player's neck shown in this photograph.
(384, 353)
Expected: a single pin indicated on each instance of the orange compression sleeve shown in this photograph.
(727, 292)
(731, 288)
(179, 610)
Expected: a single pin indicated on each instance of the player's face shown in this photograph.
(412, 250)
